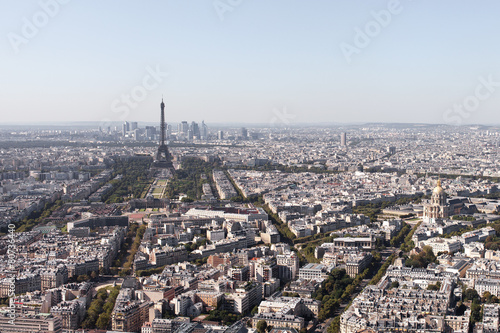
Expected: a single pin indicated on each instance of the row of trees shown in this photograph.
(476, 312)
(127, 267)
(308, 253)
(349, 290)
(223, 316)
(286, 234)
(463, 218)
(188, 179)
(422, 259)
(285, 168)
(99, 313)
(462, 231)
(331, 291)
(126, 245)
(383, 268)
(84, 277)
(135, 179)
(357, 281)
(493, 179)
(489, 298)
(471, 295)
(408, 244)
(399, 238)
(240, 197)
(309, 248)
(492, 243)
(373, 209)
(199, 261)
(151, 271)
(335, 324)
(36, 217)
(323, 237)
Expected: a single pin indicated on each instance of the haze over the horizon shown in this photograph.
(243, 61)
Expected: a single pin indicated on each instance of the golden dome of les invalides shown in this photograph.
(438, 189)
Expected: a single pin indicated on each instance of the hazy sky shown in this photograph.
(255, 61)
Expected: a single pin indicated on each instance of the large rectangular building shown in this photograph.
(355, 264)
(314, 272)
(102, 221)
(279, 320)
(129, 317)
(27, 324)
(367, 243)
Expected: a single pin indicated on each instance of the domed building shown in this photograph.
(437, 207)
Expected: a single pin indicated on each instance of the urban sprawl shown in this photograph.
(186, 228)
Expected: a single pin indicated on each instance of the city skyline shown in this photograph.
(242, 62)
(250, 226)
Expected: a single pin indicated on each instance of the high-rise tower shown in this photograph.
(163, 158)
(343, 139)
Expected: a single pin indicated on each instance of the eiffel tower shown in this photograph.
(163, 158)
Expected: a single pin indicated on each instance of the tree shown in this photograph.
(486, 297)
(335, 325)
(82, 278)
(432, 287)
(475, 314)
(394, 284)
(376, 256)
(103, 321)
(471, 294)
(422, 259)
(338, 274)
(87, 323)
(237, 198)
(108, 307)
(261, 326)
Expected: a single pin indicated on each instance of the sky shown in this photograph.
(240, 61)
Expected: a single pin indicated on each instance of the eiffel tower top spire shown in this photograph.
(162, 124)
(163, 158)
